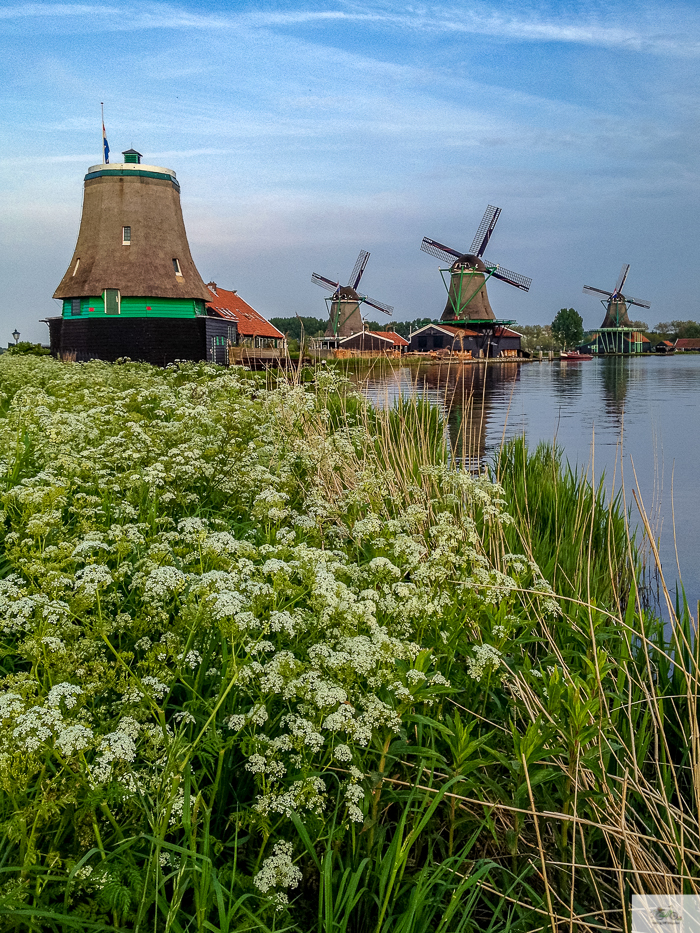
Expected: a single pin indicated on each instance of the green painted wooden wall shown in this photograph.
(138, 307)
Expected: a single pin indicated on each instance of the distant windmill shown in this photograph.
(345, 316)
(467, 299)
(616, 303)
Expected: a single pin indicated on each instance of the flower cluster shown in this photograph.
(202, 561)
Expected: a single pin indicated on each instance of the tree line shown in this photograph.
(566, 330)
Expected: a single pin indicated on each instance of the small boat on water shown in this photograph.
(575, 355)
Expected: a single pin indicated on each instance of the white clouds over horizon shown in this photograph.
(303, 134)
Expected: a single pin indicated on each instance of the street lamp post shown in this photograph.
(16, 335)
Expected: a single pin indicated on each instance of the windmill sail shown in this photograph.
(379, 305)
(638, 302)
(360, 266)
(486, 227)
(433, 248)
(512, 278)
(622, 278)
(324, 282)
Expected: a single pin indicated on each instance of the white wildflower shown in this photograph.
(278, 870)
(486, 658)
(66, 692)
(157, 687)
(164, 582)
(235, 722)
(74, 738)
(10, 705)
(183, 718)
(193, 659)
(342, 753)
(55, 645)
(91, 579)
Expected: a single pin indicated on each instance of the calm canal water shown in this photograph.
(635, 418)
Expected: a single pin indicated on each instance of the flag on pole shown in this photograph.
(105, 144)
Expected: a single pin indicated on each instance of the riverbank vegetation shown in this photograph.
(272, 660)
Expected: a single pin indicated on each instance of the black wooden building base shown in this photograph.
(150, 340)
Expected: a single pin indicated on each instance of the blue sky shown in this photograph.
(303, 132)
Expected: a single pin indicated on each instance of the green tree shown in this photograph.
(537, 337)
(567, 327)
(25, 346)
(404, 328)
(291, 326)
(678, 328)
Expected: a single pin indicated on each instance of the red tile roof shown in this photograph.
(688, 343)
(457, 331)
(231, 306)
(397, 339)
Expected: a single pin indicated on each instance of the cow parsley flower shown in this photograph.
(74, 738)
(485, 658)
(192, 659)
(66, 692)
(164, 582)
(93, 578)
(278, 870)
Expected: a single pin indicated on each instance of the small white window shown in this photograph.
(77, 263)
(176, 267)
(126, 236)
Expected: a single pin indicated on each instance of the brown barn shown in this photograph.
(400, 343)
(497, 341)
(367, 341)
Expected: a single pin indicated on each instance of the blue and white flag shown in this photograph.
(105, 145)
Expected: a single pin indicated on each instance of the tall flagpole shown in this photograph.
(103, 131)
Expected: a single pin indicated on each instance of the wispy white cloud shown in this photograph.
(39, 160)
(661, 30)
(26, 10)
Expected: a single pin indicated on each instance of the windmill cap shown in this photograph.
(135, 167)
(469, 259)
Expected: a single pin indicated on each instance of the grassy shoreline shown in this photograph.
(272, 661)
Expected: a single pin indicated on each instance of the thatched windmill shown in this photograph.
(131, 288)
(345, 317)
(467, 300)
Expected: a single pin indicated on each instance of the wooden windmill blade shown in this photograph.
(438, 250)
(483, 233)
(622, 278)
(512, 278)
(360, 266)
(324, 282)
(589, 290)
(379, 305)
(637, 301)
